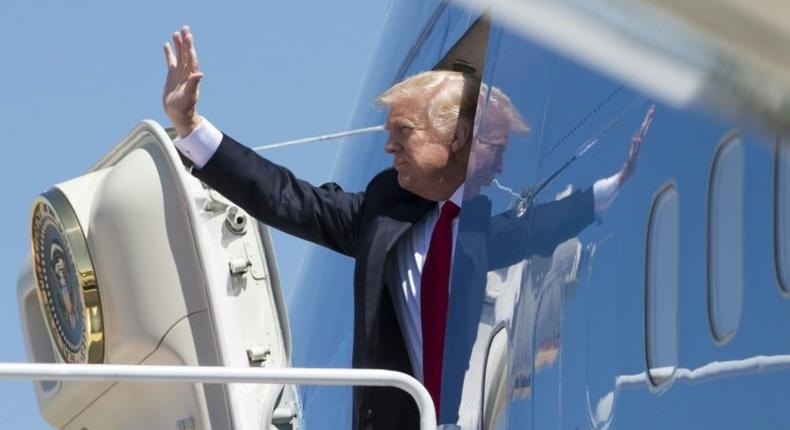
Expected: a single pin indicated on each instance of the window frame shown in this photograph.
(654, 386)
(499, 327)
(729, 138)
(782, 276)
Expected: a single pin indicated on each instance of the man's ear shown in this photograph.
(462, 136)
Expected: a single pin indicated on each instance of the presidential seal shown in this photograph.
(66, 280)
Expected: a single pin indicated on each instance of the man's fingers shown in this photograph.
(190, 54)
(178, 43)
(636, 141)
(648, 119)
(185, 47)
(193, 81)
(169, 57)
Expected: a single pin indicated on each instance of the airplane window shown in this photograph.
(495, 379)
(601, 326)
(662, 287)
(782, 213)
(725, 239)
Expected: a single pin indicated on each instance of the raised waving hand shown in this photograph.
(182, 86)
(636, 141)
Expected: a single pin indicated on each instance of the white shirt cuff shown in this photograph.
(200, 145)
(605, 191)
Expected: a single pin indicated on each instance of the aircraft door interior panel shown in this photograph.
(173, 274)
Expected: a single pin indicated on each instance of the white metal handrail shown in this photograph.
(225, 375)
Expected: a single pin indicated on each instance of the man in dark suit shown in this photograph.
(430, 154)
(400, 230)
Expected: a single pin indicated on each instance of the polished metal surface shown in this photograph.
(581, 335)
(67, 286)
(650, 311)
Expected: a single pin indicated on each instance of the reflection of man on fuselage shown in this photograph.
(487, 243)
(534, 229)
(400, 230)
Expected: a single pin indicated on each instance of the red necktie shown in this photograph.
(434, 296)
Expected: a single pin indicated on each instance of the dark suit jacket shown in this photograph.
(362, 225)
(366, 226)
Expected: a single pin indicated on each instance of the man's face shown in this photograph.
(485, 160)
(420, 153)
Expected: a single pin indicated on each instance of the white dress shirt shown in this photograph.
(201, 144)
(411, 249)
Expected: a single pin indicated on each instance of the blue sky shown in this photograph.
(78, 76)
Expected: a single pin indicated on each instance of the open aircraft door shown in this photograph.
(138, 262)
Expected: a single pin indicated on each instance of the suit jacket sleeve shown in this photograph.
(540, 230)
(325, 215)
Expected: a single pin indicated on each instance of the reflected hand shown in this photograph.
(181, 92)
(636, 142)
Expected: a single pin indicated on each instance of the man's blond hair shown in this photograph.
(452, 96)
(497, 115)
